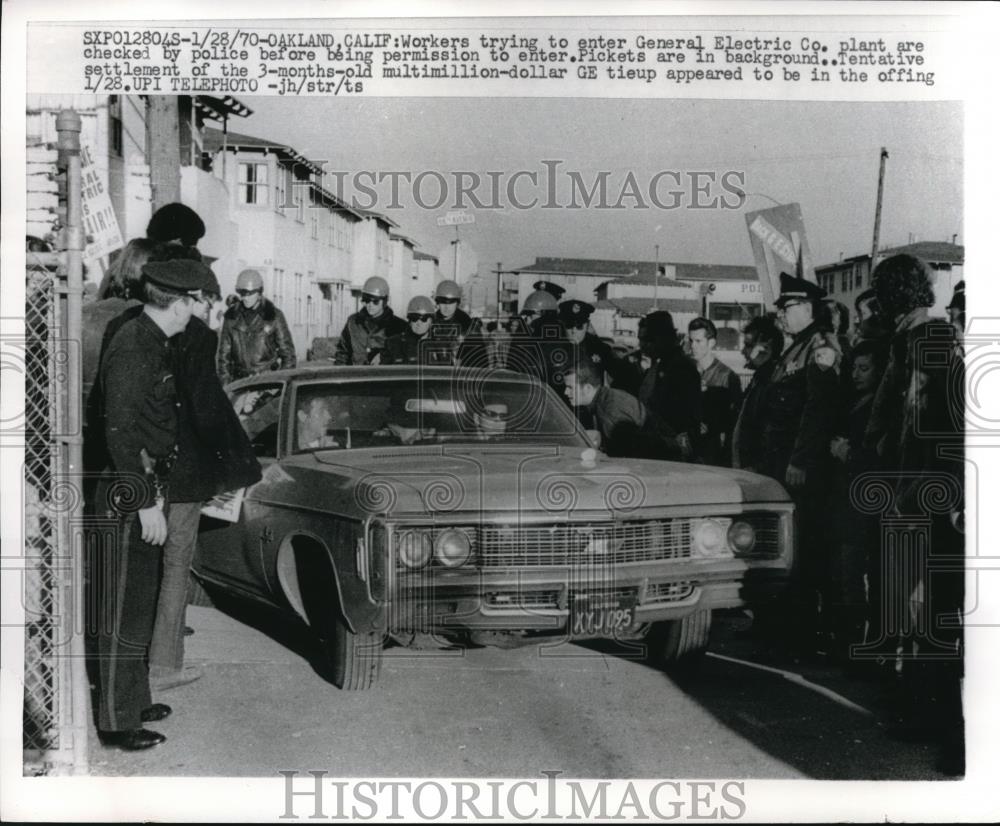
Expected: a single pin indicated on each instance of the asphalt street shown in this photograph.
(261, 707)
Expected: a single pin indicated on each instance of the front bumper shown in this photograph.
(541, 599)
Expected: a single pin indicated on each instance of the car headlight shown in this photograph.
(452, 548)
(414, 548)
(708, 538)
(742, 537)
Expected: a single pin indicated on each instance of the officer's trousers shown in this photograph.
(129, 581)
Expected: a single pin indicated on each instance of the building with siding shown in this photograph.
(298, 235)
(844, 280)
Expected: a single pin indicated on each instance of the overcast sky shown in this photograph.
(822, 155)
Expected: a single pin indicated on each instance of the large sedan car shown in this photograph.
(415, 504)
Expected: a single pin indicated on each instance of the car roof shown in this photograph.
(312, 371)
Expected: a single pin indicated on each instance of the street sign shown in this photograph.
(455, 218)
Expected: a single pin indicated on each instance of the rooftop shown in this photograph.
(642, 306)
(638, 272)
(934, 251)
(216, 139)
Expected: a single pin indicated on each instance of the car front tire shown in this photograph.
(682, 642)
(355, 659)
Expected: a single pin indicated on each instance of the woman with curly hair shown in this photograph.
(917, 428)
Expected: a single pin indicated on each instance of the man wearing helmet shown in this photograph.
(541, 347)
(454, 325)
(254, 336)
(366, 332)
(415, 345)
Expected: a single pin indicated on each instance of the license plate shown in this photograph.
(599, 616)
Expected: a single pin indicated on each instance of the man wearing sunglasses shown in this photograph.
(414, 345)
(255, 336)
(366, 332)
(453, 324)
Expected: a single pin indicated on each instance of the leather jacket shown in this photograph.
(253, 341)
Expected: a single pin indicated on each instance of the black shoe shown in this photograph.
(135, 739)
(157, 711)
(188, 630)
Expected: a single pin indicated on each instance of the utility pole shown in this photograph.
(456, 242)
(499, 276)
(656, 278)
(878, 207)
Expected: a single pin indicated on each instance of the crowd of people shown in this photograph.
(855, 421)
(862, 424)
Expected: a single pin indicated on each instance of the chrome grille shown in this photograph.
(767, 527)
(509, 546)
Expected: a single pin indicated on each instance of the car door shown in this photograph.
(230, 553)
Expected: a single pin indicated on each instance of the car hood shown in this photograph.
(439, 481)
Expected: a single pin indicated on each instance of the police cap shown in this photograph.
(798, 289)
(180, 275)
(573, 313)
(552, 289)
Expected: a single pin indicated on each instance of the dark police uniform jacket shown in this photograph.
(213, 451)
(802, 405)
(254, 341)
(542, 351)
(364, 337)
(140, 407)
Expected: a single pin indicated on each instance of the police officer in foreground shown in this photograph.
(255, 336)
(575, 317)
(415, 345)
(365, 332)
(140, 423)
(800, 416)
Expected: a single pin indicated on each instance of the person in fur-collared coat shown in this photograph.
(254, 336)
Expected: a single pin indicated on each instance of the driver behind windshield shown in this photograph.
(314, 418)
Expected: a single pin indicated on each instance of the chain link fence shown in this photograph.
(55, 712)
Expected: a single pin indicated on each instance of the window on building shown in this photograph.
(314, 225)
(279, 287)
(252, 183)
(115, 129)
(298, 298)
(857, 275)
(845, 281)
(299, 201)
(280, 189)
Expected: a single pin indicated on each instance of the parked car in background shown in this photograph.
(418, 503)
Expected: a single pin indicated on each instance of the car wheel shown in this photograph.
(355, 659)
(682, 642)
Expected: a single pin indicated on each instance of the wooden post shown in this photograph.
(878, 207)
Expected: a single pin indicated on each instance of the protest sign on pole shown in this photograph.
(100, 224)
(778, 239)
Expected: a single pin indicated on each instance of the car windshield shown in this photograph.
(415, 410)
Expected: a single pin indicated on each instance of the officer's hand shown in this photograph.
(376, 360)
(154, 525)
(795, 477)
